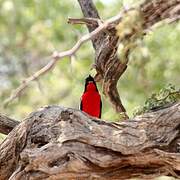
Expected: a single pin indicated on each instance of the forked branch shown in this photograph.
(58, 56)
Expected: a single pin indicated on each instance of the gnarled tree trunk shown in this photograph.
(108, 65)
(63, 143)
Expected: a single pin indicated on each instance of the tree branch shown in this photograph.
(88, 21)
(108, 66)
(89, 11)
(7, 124)
(157, 10)
(57, 56)
(104, 46)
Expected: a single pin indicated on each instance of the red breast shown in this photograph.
(91, 101)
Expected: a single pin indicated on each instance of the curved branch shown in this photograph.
(89, 11)
(105, 45)
(58, 56)
(7, 124)
(109, 67)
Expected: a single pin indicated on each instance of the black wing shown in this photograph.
(100, 109)
(81, 106)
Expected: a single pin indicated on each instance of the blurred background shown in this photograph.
(30, 30)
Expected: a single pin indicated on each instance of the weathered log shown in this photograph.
(7, 124)
(63, 143)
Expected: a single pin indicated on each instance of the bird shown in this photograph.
(91, 99)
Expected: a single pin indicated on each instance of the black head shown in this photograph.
(88, 80)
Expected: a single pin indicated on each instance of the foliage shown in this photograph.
(163, 98)
(30, 30)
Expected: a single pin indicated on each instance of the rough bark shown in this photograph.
(63, 143)
(157, 10)
(108, 66)
(89, 11)
(7, 124)
(105, 46)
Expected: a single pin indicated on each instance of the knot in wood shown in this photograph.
(65, 115)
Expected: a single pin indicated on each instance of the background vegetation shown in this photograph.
(30, 30)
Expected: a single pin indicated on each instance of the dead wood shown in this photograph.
(108, 66)
(63, 143)
(7, 124)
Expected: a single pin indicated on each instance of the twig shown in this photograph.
(87, 21)
(112, 22)
(59, 55)
(26, 82)
(7, 124)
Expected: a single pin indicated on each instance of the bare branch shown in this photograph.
(7, 124)
(157, 10)
(89, 11)
(108, 66)
(16, 93)
(106, 47)
(59, 55)
(87, 21)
